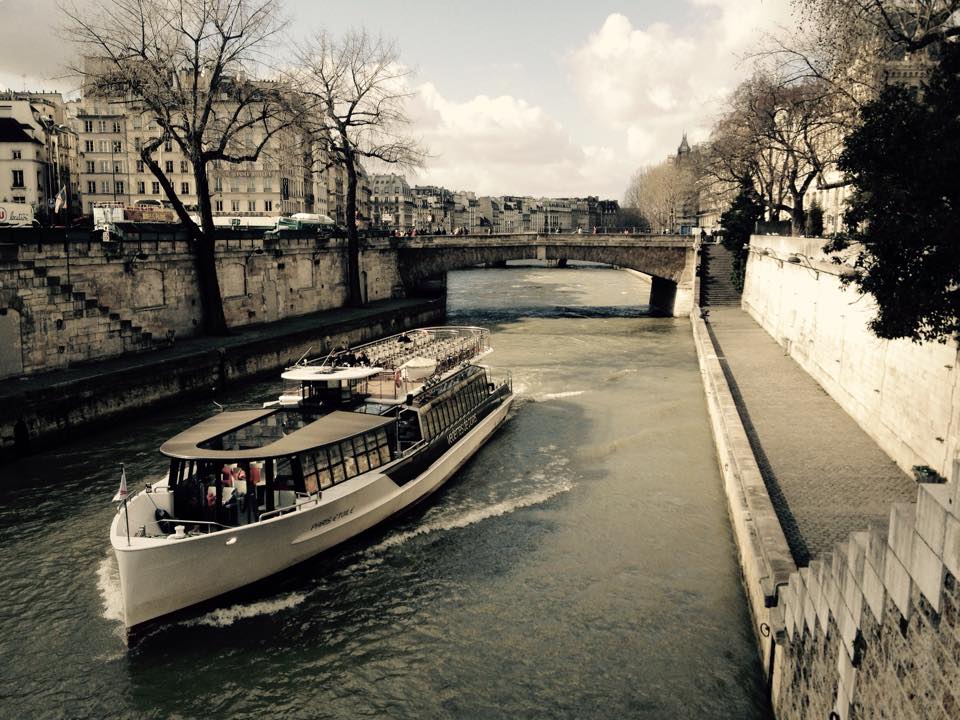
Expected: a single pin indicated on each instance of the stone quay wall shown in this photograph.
(873, 629)
(765, 560)
(71, 298)
(823, 326)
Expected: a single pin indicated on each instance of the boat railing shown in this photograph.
(277, 512)
(208, 525)
(300, 500)
(412, 449)
(505, 379)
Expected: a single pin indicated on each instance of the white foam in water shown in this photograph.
(108, 583)
(558, 395)
(224, 617)
(471, 517)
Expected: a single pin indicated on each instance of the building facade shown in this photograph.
(38, 155)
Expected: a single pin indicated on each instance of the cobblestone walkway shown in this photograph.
(826, 477)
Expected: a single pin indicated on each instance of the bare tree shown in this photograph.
(838, 25)
(185, 65)
(781, 135)
(659, 193)
(844, 43)
(355, 86)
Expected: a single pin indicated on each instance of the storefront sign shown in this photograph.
(16, 214)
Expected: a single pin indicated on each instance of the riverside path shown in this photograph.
(826, 477)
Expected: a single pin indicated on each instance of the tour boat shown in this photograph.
(354, 439)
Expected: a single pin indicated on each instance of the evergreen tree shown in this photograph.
(738, 223)
(814, 221)
(903, 163)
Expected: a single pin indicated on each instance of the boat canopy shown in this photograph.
(199, 441)
(312, 374)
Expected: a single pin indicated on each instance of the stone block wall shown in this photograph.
(65, 300)
(823, 326)
(872, 630)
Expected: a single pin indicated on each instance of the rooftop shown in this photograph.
(12, 131)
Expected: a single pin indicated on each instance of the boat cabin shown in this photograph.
(312, 386)
(239, 467)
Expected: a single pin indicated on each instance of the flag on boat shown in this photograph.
(122, 492)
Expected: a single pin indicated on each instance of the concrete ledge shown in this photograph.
(765, 557)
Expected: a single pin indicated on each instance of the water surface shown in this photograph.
(581, 565)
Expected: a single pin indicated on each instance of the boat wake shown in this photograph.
(544, 397)
(108, 584)
(472, 516)
(225, 617)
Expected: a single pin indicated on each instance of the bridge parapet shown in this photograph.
(533, 238)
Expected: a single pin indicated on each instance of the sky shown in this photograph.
(529, 97)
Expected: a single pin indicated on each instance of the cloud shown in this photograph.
(646, 85)
(505, 145)
(656, 82)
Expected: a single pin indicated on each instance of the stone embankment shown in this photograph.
(69, 297)
(872, 629)
(37, 409)
(869, 625)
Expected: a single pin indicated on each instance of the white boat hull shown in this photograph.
(160, 576)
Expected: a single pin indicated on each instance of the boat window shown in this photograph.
(350, 467)
(381, 437)
(312, 463)
(338, 475)
(362, 464)
(349, 461)
(358, 445)
(283, 477)
(325, 478)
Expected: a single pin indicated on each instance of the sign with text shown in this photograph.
(16, 214)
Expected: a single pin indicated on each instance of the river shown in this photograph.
(580, 566)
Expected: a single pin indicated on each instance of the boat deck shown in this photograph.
(448, 348)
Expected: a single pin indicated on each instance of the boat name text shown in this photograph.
(460, 429)
(329, 519)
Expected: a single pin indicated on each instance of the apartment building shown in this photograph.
(112, 132)
(392, 203)
(38, 154)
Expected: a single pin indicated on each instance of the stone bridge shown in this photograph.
(671, 260)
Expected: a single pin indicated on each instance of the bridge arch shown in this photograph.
(670, 260)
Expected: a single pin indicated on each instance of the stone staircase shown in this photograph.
(69, 324)
(716, 287)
